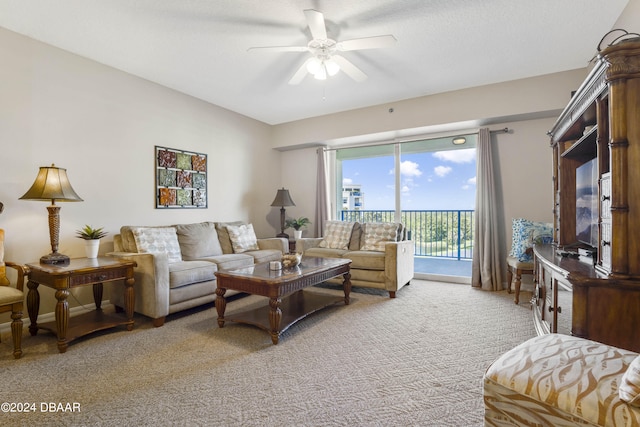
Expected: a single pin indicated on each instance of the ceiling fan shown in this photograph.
(325, 60)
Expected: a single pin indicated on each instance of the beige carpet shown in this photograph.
(416, 360)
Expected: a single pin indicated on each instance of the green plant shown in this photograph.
(298, 223)
(90, 233)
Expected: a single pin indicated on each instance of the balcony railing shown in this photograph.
(437, 233)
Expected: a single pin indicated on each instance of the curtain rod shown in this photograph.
(503, 130)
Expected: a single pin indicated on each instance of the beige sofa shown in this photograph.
(380, 258)
(176, 264)
(562, 380)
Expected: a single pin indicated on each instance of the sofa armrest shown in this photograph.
(304, 243)
(151, 283)
(398, 264)
(279, 243)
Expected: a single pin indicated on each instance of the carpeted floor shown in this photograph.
(416, 360)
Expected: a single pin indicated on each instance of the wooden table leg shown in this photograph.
(275, 315)
(346, 285)
(33, 306)
(129, 301)
(97, 295)
(221, 305)
(62, 319)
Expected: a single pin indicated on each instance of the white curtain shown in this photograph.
(485, 271)
(322, 195)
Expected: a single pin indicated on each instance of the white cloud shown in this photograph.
(442, 171)
(471, 181)
(456, 156)
(409, 168)
(347, 181)
(405, 189)
(465, 187)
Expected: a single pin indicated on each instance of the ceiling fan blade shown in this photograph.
(279, 49)
(349, 69)
(300, 74)
(374, 42)
(315, 20)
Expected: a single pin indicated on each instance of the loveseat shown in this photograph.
(562, 380)
(381, 256)
(176, 264)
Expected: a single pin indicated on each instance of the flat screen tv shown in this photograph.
(587, 203)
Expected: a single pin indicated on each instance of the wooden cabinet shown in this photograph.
(600, 127)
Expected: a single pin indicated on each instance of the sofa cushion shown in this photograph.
(265, 255)
(366, 260)
(230, 261)
(158, 240)
(337, 234)
(376, 234)
(630, 384)
(356, 234)
(198, 240)
(223, 235)
(188, 272)
(243, 238)
(325, 252)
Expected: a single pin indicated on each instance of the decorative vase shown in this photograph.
(297, 234)
(91, 248)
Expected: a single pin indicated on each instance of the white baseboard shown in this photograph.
(50, 317)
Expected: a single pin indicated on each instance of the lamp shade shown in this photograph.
(52, 184)
(283, 199)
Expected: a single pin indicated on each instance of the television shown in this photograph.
(587, 203)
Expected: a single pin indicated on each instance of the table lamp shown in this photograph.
(282, 199)
(52, 184)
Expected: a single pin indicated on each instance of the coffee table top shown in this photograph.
(309, 266)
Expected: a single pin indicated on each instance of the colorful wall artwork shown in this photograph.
(181, 178)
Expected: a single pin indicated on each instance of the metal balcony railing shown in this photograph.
(436, 233)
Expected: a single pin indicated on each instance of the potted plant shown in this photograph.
(297, 224)
(92, 237)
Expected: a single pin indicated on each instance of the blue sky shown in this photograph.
(441, 180)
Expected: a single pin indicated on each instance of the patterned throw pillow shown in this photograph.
(337, 234)
(158, 240)
(376, 234)
(243, 238)
(629, 389)
(525, 234)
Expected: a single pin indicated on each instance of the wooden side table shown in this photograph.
(80, 272)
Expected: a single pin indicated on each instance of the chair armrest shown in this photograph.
(151, 283)
(23, 271)
(304, 243)
(398, 263)
(279, 243)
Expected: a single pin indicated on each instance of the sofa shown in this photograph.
(176, 264)
(381, 256)
(563, 380)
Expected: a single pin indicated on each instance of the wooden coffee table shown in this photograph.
(288, 303)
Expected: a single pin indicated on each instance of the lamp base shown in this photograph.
(285, 235)
(54, 258)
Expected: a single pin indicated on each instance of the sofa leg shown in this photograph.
(158, 322)
(392, 294)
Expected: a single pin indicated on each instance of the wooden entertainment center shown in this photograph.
(598, 300)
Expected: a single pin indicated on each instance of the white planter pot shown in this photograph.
(91, 248)
(297, 234)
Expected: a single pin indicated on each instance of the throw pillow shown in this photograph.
(337, 234)
(158, 240)
(198, 240)
(376, 234)
(524, 234)
(223, 235)
(243, 238)
(629, 389)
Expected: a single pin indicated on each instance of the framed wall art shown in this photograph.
(181, 179)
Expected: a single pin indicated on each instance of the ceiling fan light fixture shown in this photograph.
(321, 74)
(314, 65)
(332, 67)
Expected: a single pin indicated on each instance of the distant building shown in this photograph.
(352, 198)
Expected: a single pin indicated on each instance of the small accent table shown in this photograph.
(80, 272)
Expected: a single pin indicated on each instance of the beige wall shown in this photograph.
(102, 125)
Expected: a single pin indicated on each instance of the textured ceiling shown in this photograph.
(199, 47)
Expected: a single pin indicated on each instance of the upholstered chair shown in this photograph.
(12, 299)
